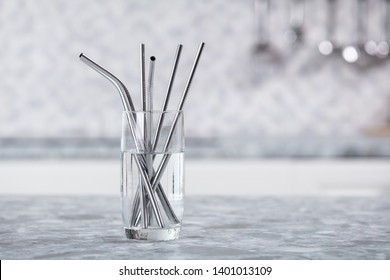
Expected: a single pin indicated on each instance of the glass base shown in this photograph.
(161, 234)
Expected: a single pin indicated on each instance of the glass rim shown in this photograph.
(153, 111)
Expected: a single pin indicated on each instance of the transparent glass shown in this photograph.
(152, 174)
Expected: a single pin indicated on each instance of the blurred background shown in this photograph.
(290, 97)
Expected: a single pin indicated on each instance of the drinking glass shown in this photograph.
(152, 174)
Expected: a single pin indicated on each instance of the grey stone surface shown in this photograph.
(43, 227)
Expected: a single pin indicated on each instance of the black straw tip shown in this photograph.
(81, 54)
(152, 58)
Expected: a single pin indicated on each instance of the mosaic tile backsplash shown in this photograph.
(46, 92)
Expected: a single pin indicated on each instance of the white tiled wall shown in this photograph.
(45, 91)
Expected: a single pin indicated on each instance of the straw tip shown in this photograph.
(152, 58)
(81, 54)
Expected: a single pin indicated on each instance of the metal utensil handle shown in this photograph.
(386, 21)
(262, 11)
(361, 21)
(297, 13)
(331, 20)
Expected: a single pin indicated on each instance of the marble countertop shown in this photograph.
(48, 227)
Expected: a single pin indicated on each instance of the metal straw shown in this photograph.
(149, 107)
(143, 101)
(167, 96)
(124, 93)
(160, 192)
(148, 124)
(142, 66)
(166, 157)
(128, 105)
(149, 101)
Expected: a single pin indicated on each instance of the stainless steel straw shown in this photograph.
(167, 96)
(149, 107)
(123, 92)
(142, 66)
(128, 105)
(143, 101)
(166, 157)
(152, 65)
(148, 124)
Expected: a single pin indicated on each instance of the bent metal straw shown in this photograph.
(128, 105)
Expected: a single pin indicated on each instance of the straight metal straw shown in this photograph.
(166, 157)
(167, 96)
(149, 106)
(148, 125)
(149, 101)
(144, 211)
(128, 105)
(143, 84)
